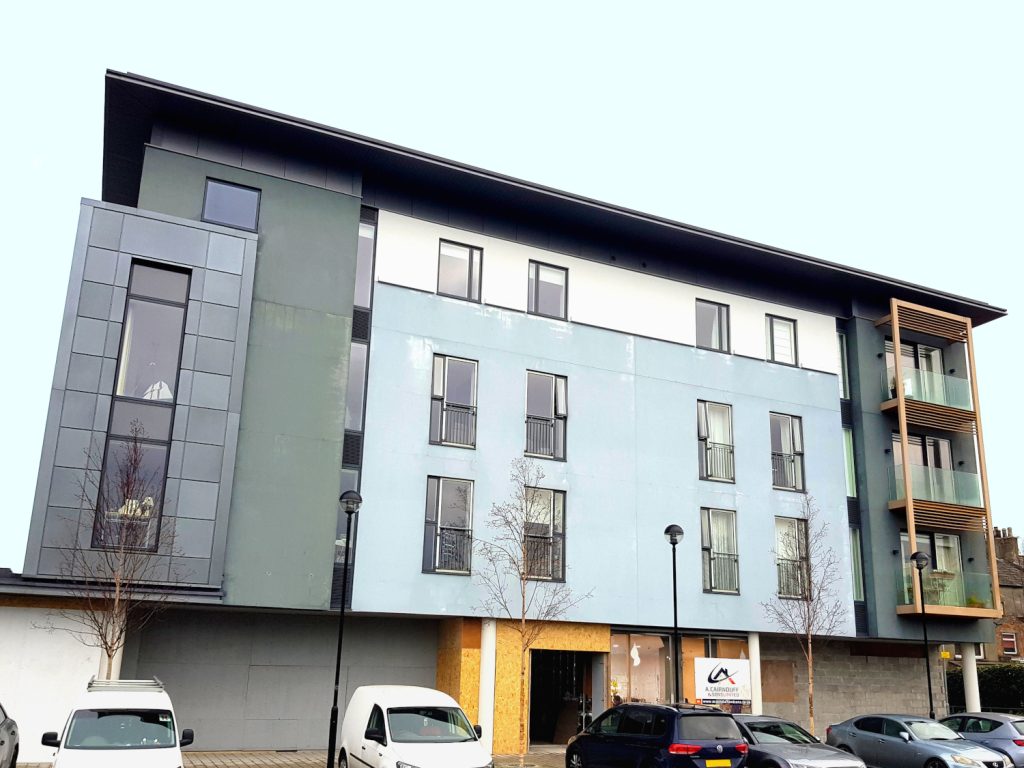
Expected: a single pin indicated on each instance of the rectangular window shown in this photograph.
(714, 441)
(857, 564)
(787, 452)
(712, 326)
(355, 391)
(1008, 643)
(458, 270)
(780, 339)
(851, 466)
(844, 367)
(448, 535)
(791, 556)
(131, 489)
(546, 414)
(719, 550)
(453, 402)
(545, 534)
(547, 290)
(231, 205)
(364, 264)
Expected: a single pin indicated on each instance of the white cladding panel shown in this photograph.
(599, 294)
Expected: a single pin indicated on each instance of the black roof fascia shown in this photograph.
(135, 103)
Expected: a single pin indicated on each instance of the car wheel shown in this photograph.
(845, 749)
(574, 760)
(342, 760)
(934, 763)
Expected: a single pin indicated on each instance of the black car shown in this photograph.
(654, 734)
(778, 743)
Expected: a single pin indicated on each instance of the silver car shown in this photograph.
(778, 743)
(1002, 733)
(910, 741)
(8, 740)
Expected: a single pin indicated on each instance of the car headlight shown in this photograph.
(961, 760)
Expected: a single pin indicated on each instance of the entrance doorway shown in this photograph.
(561, 694)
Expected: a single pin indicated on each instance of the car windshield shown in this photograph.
(775, 732)
(925, 729)
(708, 728)
(120, 729)
(428, 725)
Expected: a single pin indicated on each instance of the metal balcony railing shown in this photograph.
(545, 436)
(929, 387)
(459, 424)
(788, 470)
(946, 486)
(454, 549)
(952, 589)
(722, 572)
(717, 461)
(792, 577)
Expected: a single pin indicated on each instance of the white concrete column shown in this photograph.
(488, 653)
(972, 695)
(754, 652)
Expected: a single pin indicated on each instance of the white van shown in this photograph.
(404, 726)
(120, 724)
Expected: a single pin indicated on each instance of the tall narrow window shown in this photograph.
(712, 326)
(131, 491)
(791, 556)
(448, 536)
(547, 290)
(844, 366)
(356, 390)
(787, 452)
(719, 551)
(857, 564)
(364, 264)
(546, 413)
(714, 441)
(231, 205)
(780, 339)
(453, 402)
(851, 466)
(545, 534)
(459, 270)
(1008, 643)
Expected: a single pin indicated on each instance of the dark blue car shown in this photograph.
(641, 735)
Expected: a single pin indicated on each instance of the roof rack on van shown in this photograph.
(125, 685)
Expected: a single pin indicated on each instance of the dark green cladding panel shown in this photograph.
(281, 532)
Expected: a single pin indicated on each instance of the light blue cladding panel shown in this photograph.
(631, 464)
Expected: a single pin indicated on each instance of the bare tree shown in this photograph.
(523, 571)
(116, 567)
(807, 604)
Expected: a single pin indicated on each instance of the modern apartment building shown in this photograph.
(290, 310)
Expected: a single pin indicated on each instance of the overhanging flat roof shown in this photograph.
(135, 103)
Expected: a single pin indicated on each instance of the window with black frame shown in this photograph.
(459, 270)
(130, 495)
(548, 286)
(712, 326)
(715, 442)
(719, 550)
(545, 534)
(453, 402)
(546, 414)
(791, 560)
(448, 537)
(787, 452)
(780, 340)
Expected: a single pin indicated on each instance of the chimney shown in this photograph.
(1007, 547)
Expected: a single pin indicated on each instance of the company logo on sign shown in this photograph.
(722, 681)
(719, 674)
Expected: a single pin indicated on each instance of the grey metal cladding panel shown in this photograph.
(102, 413)
(119, 296)
(113, 343)
(192, 538)
(90, 336)
(202, 462)
(79, 448)
(84, 372)
(242, 327)
(95, 300)
(197, 500)
(124, 270)
(64, 528)
(172, 490)
(343, 181)
(222, 288)
(100, 265)
(206, 426)
(106, 229)
(164, 240)
(192, 314)
(107, 375)
(305, 171)
(175, 458)
(225, 253)
(79, 409)
(210, 390)
(227, 479)
(195, 286)
(431, 210)
(190, 570)
(176, 139)
(220, 150)
(262, 161)
(214, 356)
(184, 386)
(72, 487)
(217, 321)
(180, 422)
(188, 351)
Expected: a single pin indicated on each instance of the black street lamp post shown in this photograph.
(674, 534)
(922, 561)
(350, 502)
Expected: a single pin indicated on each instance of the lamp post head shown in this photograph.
(350, 501)
(673, 534)
(920, 560)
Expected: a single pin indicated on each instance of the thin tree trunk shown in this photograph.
(522, 707)
(110, 664)
(810, 681)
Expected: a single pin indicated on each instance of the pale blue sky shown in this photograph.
(883, 135)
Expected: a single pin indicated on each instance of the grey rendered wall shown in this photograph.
(264, 680)
(221, 262)
(280, 548)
